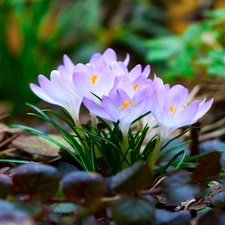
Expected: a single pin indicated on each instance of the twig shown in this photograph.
(7, 151)
(210, 135)
(213, 126)
(8, 140)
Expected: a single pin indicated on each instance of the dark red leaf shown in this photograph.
(208, 166)
(137, 177)
(5, 186)
(83, 187)
(36, 179)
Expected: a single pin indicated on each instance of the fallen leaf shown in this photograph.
(37, 145)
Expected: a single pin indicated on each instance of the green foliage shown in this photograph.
(116, 151)
(35, 34)
(200, 50)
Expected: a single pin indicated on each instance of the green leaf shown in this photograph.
(138, 176)
(163, 48)
(63, 208)
(133, 211)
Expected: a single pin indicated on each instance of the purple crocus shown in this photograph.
(119, 106)
(55, 92)
(171, 109)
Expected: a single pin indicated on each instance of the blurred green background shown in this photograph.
(181, 39)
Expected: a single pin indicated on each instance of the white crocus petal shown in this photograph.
(126, 60)
(117, 69)
(55, 92)
(135, 73)
(203, 109)
(68, 63)
(109, 56)
(41, 94)
(95, 58)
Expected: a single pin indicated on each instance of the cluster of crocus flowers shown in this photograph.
(110, 91)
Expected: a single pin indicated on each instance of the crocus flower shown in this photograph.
(119, 106)
(171, 109)
(55, 92)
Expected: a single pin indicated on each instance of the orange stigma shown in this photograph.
(135, 86)
(94, 78)
(126, 104)
(173, 110)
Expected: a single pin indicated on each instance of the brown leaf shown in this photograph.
(36, 145)
(208, 166)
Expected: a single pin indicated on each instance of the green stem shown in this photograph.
(98, 154)
(155, 152)
(124, 148)
(77, 122)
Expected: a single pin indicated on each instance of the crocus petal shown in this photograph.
(45, 85)
(109, 56)
(135, 72)
(82, 84)
(95, 109)
(41, 94)
(117, 70)
(177, 97)
(124, 68)
(133, 112)
(95, 58)
(203, 109)
(101, 67)
(68, 63)
(104, 84)
(146, 71)
(185, 117)
(58, 90)
(126, 60)
(117, 97)
(110, 109)
(123, 82)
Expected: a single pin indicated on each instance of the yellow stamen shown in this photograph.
(173, 110)
(184, 106)
(94, 78)
(126, 104)
(135, 86)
